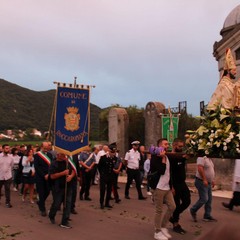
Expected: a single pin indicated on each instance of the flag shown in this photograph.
(71, 132)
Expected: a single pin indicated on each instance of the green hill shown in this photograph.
(22, 108)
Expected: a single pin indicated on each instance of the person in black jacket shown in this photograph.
(42, 161)
(105, 167)
(182, 196)
(163, 192)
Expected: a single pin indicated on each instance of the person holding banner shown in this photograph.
(61, 173)
(42, 161)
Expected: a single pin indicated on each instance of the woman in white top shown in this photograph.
(16, 177)
(28, 175)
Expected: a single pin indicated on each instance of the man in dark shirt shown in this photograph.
(178, 172)
(61, 174)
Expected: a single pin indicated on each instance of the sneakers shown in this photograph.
(165, 232)
(160, 236)
(52, 220)
(194, 215)
(65, 226)
(88, 199)
(118, 200)
(226, 205)
(15, 189)
(9, 205)
(178, 229)
(43, 213)
(149, 193)
(142, 186)
(73, 211)
(209, 219)
(108, 206)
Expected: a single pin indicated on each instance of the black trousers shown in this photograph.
(182, 200)
(133, 174)
(105, 184)
(235, 201)
(74, 193)
(43, 191)
(86, 183)
(115, 186)
(6, 184)
(61, 196)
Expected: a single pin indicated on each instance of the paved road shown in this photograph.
(131, 219)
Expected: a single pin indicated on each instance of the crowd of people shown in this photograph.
(29, 169)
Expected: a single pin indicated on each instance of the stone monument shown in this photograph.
(118, 123)
(153, 125)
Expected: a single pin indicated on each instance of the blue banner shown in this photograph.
(71, 120)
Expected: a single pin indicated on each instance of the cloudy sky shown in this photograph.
(134, 51)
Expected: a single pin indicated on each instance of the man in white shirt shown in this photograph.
(132, 159)
(6, 166)
(163, 192)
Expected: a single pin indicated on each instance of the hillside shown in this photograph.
(22, 108)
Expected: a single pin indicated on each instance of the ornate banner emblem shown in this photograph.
(71, 133)
(72, 119)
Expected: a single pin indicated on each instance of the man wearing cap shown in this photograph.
(132, 159)
(227, 91)
(105, 167)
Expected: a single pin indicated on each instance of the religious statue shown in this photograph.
(227, 93)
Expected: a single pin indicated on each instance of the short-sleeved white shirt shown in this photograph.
(208, 168)
(133, 158)
(163, 182)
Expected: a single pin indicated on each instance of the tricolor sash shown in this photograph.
(72, 163)
(44, 157)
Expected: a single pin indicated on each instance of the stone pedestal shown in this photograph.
(224, 170)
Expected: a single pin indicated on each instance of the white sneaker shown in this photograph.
(160, 236)
(142, 186)
(14, 189)
(149, 193)
(131, 185)
(165, 232)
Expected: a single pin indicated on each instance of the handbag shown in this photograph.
(153, 179)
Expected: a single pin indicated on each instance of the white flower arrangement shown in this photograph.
(218, 135)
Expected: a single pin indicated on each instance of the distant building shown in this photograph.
(230, 39)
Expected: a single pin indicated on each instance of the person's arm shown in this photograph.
(59, 174)
(71, 176)
(201, 172)
(84, 165)
(119, 168)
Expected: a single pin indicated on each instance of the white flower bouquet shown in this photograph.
(217, 136)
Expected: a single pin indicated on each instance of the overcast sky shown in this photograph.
(134, 51)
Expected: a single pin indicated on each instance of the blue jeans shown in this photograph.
(205, 198)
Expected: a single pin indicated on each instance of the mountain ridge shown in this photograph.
(23, 108)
